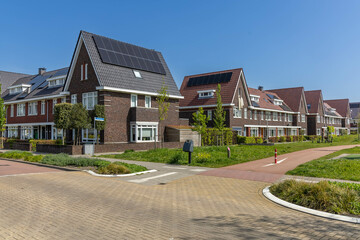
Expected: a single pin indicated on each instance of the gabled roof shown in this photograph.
(291, 96)
(266, 100)
(313, 99)
(329, 112)
(341, 106)
(123, 78)
(191, 95)
(39, 86)
(8, 78)
(355, 109)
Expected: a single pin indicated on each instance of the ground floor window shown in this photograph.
(272, 132)
(12, 132)
(294, 132)
(143, 132)
(26, 132)
(239, 131)
(318, 131)
(88, 135)
(281, 132)
(254, 132)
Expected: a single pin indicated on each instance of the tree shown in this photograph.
(200, 121)
(163, 105)
(80, 119)
(2, 119)
(99, 111)
(62, 117)
(220, 114)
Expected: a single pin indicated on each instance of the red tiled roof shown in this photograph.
(191, 96)
(327, 110)
(291, 96)
(265, 101)
(341, 106)
(313, 98)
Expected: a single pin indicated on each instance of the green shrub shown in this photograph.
(15, 154)
(113, 168)
(34, 158)
(259, 140)
(282, 139)
(202, 157)
(321, 196)
(213, 136)
(250, 140)
(289, 138)
(65, 160)
(241, 139)
(300, 138)
(59, 142)
(176, 158)
(129, 150)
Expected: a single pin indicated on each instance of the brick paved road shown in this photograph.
(75, 205)
(13, 168)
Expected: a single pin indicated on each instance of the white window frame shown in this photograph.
(43, 107)
(53, 105)
(12, 110)
(262, 115)
(73, 98)
(303, 118)
(85, 135)
(236, 112)
(20, 110)
(275, 116)
(86, 100)
(32, 108)
(12, 132)
(290, 117)
(255, 115)
(138, 127)
(133, 104)
(137, 74)
(245, 113)
(148, 98)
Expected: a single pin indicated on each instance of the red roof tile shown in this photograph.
(265, 101)
(341, 106)
(313, 98)
(291, 96)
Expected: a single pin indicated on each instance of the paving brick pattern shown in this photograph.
(75, 205)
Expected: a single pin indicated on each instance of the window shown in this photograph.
(133, 100)
(206, 94)
(209, 115)
(147, 101)
(255, 115)
(245, 113)
(63, 100)
(318, 119)
(254, 132)
(272, 132)
(54, 103)
(262, 115)
(298, 117)
(281, 132)
(89, 100)
(20, 109)
(26, 132)
(56, 82)
(239, 131)
(267, 116)
(12, 110)
(293, 132)
(280, 114)
(290, 117)
(143, 132)
(275, 116)
(318, 131)
(88, 135)
(84, 74)
(254, 98)
(137, 74)
(250, 113)
(12, 132)
(73, 99)
(42, 107)
(278, 102)
(302, 117)
(32, 108)
(286, 117)
(236, 113)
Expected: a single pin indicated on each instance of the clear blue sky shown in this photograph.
(315, 44)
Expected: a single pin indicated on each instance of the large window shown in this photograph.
(281, 132)
(237, 113)
(267, 116)
(32, 108)
(275, 116)
(12, 132)
(272, 132)
(254, 132)
(133, 100)
(26, 132)
(290, 117)
(20, 109)
(89, 100)
(147, 101)
(89, 135)
(140, 132)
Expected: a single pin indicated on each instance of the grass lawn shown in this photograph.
(333, 197)
(217, 156)
(347, 168)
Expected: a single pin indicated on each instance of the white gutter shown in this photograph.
(270, 126)
(207, 106)
(29, 124)
(34, 99)
(111, 89)
(271, 110)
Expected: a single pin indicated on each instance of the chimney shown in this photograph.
(261, 88)
(42, 71)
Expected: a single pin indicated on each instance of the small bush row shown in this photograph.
(259, 140)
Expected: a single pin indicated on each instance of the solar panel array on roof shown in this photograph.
(210, 79)
(271, 96)
(128, 55)
(255, 104)
(285, 108)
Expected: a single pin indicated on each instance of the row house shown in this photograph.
(355, 115)
(249, 111)
(126, 79)
(30, 100)
(342, 109)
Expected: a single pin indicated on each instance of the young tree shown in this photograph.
(99, 111)
(62, 117)
(200, 123)
(163, 105)
(220, 114)
(2, 119)
(80, 119)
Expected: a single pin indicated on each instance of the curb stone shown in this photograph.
(119, 175)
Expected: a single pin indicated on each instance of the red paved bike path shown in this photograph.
(264, 170)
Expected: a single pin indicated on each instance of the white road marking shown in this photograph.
(198, 170)
(149, 178)
(180, 168)
(272, 164)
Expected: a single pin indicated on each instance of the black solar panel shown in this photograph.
(127, 55)
(271, 96)
(255, 104)
(285, 108)
(210, 79)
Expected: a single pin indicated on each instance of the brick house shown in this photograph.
(30, 102)
(8, 78)
(355, 113)
(125, 79)
(295, 99)
(342, 107)
(249, 111)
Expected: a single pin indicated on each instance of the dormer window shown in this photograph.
(206, 93)
(255, 98)
(19, 88)
(56, 82)
(137, 74)
(278, 102)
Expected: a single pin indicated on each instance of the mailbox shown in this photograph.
(188, 146)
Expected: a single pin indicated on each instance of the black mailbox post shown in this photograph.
(188, 147)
